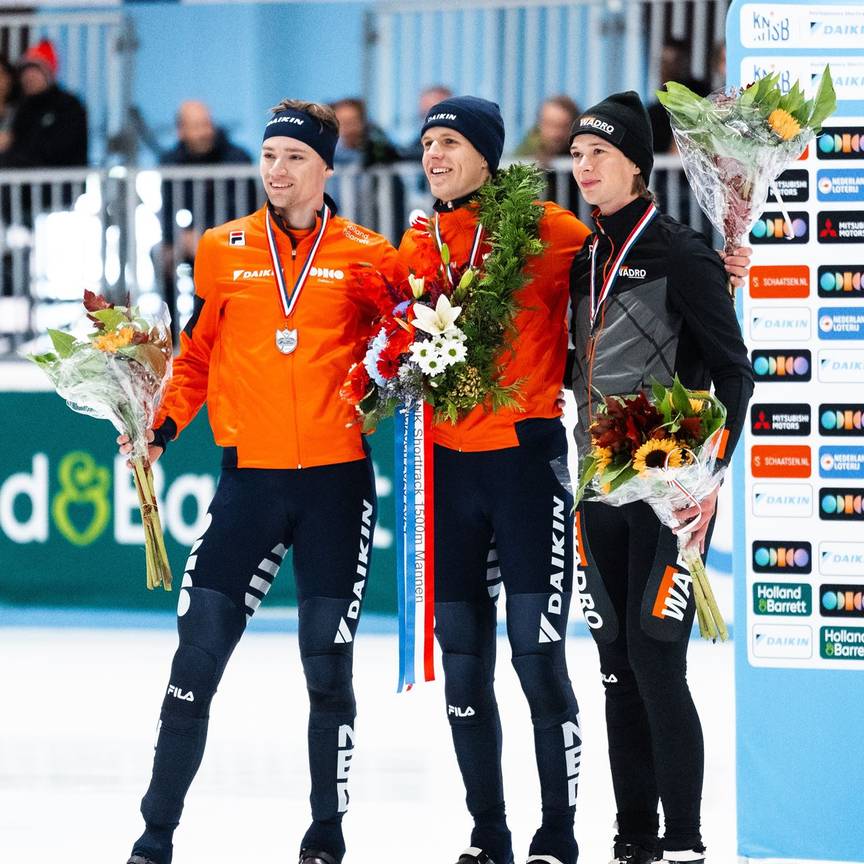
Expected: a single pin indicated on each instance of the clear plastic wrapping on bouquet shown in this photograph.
(123, 385)
(731, 163)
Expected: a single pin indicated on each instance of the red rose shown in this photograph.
(356, 385)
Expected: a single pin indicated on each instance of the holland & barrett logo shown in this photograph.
(782, 365)
(783, 418)
(841, 601)
(841, 643)
(841, 142)
(841, 281)
(841, 505)
(787, 557)
(782, 598)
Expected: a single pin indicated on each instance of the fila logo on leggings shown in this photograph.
(343, 633)
(673, 595)
(556, 602)
(343, 764)
(572, 757)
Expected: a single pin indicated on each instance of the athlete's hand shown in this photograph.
(737, 264)
(153, 453)
(560, 402)
(706, 508)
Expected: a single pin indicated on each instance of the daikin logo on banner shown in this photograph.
(780, 323)
(841, 367)
(793, 500)
(776, 641)
(841, 559)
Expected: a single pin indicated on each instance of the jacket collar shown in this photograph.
(449, 206)
(618, 225)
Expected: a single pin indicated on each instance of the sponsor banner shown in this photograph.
(780, 323)
(786, 557)
(841, 280)
(782, 598)
(780, 460)
(841, 367)
(841, 142)
(787, 500)
(841, 322)
(778, 641)
(841, 643)
(771, 227)
(841, 601)
(840, 226)
(792, 365)
(842, 419)
(793, 186)
(839, 558)
(780, 418)
(779, 282)
(839, 184)
(801, 26)
(837, 504)
(841, 463)
(847, 72)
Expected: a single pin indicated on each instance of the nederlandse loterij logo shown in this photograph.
(841, 643)
(782, 556)
(841, 601)
(841, 322)
(840, 462)
(782, 598)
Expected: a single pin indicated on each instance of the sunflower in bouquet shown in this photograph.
(660, 448)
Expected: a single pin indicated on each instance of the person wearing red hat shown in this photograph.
(50, 127)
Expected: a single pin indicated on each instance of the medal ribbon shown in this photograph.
(289, 301)
(609, 281)
(473, 258)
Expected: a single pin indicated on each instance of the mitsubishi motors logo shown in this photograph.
(827, 230)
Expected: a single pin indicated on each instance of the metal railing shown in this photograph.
(122, 231)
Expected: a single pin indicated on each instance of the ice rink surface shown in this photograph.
(78, 726)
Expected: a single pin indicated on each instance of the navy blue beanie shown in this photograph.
(306, 128)
(479, 120)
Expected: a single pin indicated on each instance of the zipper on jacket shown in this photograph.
(290, 358)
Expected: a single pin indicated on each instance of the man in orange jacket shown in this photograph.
(275, 328)
(499, 475)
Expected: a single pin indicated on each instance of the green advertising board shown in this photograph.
(70, 530)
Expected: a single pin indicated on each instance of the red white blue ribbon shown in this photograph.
(473, 258)
(289, 300)
(612, 275)
(415, 550)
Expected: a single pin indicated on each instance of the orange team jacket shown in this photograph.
(539, 348)
(278, 410)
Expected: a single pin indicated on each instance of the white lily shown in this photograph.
(418, 285)
(438, 320)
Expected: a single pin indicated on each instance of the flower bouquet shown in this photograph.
(118, 372)
(734, 143)
(661, 450)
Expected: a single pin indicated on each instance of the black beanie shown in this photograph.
(621, 119)
(479, 120)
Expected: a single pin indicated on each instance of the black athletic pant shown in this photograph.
(514, 495)
(327, 514)
(641, 611)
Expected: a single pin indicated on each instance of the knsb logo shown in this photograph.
(781, 642)
(765, 27)
(841, 559)
(780, 460)
(841, 419)
(793, 186)
(780, 324)
(835, 280)
(842, 643)
(841, 322)
(839, 184)
(792, 365)
(840, 226)
(782, 598)
(841, 367)
(841, 601)
(841, 142)
(793, 500)
(785, 418)
(841, 463)
(841, 505)
(773, 228)
(782, 556)
(778, 282)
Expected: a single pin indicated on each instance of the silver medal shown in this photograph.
(286, 340)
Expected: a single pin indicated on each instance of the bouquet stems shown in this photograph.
(158, 569)
(711, 623)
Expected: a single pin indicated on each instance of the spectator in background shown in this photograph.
(10, 93)
(549, 139)
(718, 66)
(428, 97)
(185, 214)
(49, 128)
(363, 144)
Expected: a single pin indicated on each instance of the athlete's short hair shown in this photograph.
(323, 113)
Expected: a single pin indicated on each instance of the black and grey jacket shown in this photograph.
(669, 311)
